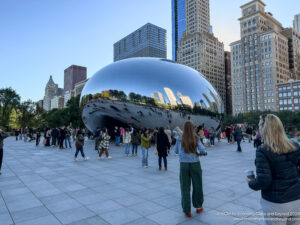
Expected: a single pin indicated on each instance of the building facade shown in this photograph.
(72, 75)
(147, 41)
(294, 51)
(51, 90)
(67, 96)
(288, 96)
(296, 23)
(259, 60)
(227, 58)
(79, 86)
(198, 48)
(57, 102)
(178, 24)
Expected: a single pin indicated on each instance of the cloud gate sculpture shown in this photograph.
(149, 93)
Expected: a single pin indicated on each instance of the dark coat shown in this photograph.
(238, 134)
(162, 144)
(277, 175)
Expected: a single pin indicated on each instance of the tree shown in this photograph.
(9, 100)
(26, 113)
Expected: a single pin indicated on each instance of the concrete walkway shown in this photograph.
(44, 186)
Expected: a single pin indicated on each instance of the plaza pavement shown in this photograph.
(44, 186)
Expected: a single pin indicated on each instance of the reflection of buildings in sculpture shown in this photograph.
(79, 86)
(211, 104)
(159, 97)
(217, 99)
(185, 100)
(202, 104)
(171, 96)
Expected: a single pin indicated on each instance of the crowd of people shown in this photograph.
(277, 157)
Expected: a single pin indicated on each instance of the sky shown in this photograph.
(39, 38)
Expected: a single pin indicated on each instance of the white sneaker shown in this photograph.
(101, 158)
(75, 159)
(146, 166)
(85, 158)
(109, 157)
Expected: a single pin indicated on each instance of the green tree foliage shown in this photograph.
(290, 120)
(9, 100)
(26, 114)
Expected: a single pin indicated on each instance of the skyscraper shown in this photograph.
(51, 90)
(296, 23)
(178, 24)
(72, 75)
(227, 58)
(147, 41)
(259, 60)
(198, 47)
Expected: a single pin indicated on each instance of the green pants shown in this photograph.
(191, 172)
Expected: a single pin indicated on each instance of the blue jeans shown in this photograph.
(21, 135)
(159, 160)
(127, 148)
(81, 151)
(117, 140)
(144, 156)
(239, 145)
(212, 140)
(67, 139)
(134, 149)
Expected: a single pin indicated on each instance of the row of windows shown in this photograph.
(289, 108)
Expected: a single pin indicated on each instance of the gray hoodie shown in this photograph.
(2, 137)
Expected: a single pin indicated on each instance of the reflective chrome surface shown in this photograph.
(150, 92)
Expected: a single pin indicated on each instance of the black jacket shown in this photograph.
(238, 134)
(162, 144)
(277, 175)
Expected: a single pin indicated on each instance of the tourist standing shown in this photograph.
(122, 131)
(62, 136)
(16, 134)
(25, 134)
(212, 133)
(238, 136)
(168, 132)
(97, 138)
(48, 136)
(79, 146)
(135, 140)
(177, 133)
(104, 144)
(117, 136)
(146, 144)
(38, 137)
(127, 140)
(68, 137)
(21, 133)
(228, 133)
(3, 135)
(249, 133)
(200, 133)
(277, 173)
(54, 135)
(162, 146)
(190, 169)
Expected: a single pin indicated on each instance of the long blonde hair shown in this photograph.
(274, 135)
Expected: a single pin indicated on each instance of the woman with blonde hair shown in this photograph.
(277, 168)
(190, 169)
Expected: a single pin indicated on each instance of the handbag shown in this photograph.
(44, 141)
(78, 144)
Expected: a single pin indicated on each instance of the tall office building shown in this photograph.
(73, 75)
(178, 24)
(198, 47)
(51, 90)
(296, 23)
(147, 41)
(228, 107)
(294, 51)
(259, 60)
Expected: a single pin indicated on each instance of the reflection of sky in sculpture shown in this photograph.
(146, 76)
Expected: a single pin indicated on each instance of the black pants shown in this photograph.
(1, 157)
(61, 142)
(159, 160)
(239, 149)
